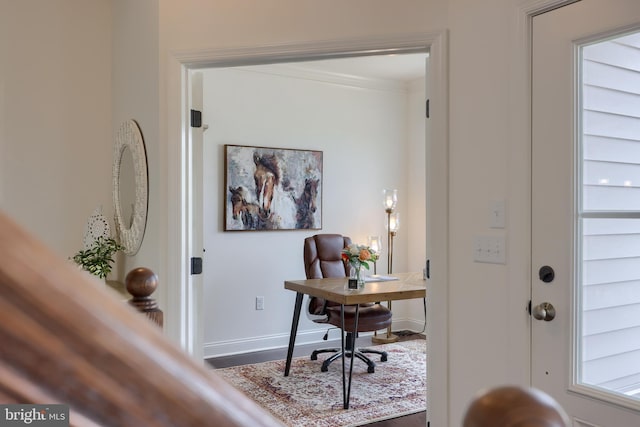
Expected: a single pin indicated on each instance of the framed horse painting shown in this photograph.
(272, 189)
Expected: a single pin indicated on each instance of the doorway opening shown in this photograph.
(185, 299)
(366, 116)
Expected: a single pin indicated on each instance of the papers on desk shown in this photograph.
(379, 278)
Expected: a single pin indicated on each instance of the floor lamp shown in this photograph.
(393, 222)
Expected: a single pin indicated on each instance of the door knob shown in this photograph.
(544, 311)
(546, 274)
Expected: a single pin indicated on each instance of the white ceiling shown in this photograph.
(400, 67)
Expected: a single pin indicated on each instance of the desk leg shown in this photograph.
(346, 389)
(294, 331)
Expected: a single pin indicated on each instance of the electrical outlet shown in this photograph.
(259, 303)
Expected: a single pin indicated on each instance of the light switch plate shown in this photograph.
(490, 249)
(497, 214)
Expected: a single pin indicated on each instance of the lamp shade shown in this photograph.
(394, 222)
(375, 244)
(390, 199)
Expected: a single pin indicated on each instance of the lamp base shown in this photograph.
(385, 338)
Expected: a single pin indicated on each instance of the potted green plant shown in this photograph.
(98, 258)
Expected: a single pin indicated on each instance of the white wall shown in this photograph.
(55, 165)
(68, 84)
(4, 43)
(135, 77)
(363, 134)
(488, 319)
(57, 68)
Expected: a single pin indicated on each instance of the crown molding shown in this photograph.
(293, 71)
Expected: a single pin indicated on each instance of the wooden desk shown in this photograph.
(408, 286)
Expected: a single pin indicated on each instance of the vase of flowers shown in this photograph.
(358, 257)
(356, 276)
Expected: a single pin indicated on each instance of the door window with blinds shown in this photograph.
(608, 259)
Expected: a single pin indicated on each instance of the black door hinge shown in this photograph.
(196, 265)
(427, 109)
(196, 119)
(427, 270)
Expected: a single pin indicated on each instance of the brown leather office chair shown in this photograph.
(323, 258)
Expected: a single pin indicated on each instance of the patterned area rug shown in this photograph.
(310, 398)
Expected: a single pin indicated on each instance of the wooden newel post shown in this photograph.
(141, 283)
(514, 406)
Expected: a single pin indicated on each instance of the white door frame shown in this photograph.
(175, 155)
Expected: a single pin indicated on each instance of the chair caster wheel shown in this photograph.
(324, 368)
(314, 356)
(383, 358)
(371, 369)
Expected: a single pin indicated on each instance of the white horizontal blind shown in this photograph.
(610, 216)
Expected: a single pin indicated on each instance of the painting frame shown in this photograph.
(272, 189)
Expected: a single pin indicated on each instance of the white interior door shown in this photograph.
(586, 210)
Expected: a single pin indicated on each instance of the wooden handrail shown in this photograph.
(67, 340)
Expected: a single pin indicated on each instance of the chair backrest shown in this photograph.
(323, 258)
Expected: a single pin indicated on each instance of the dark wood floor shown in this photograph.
(415, 420)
